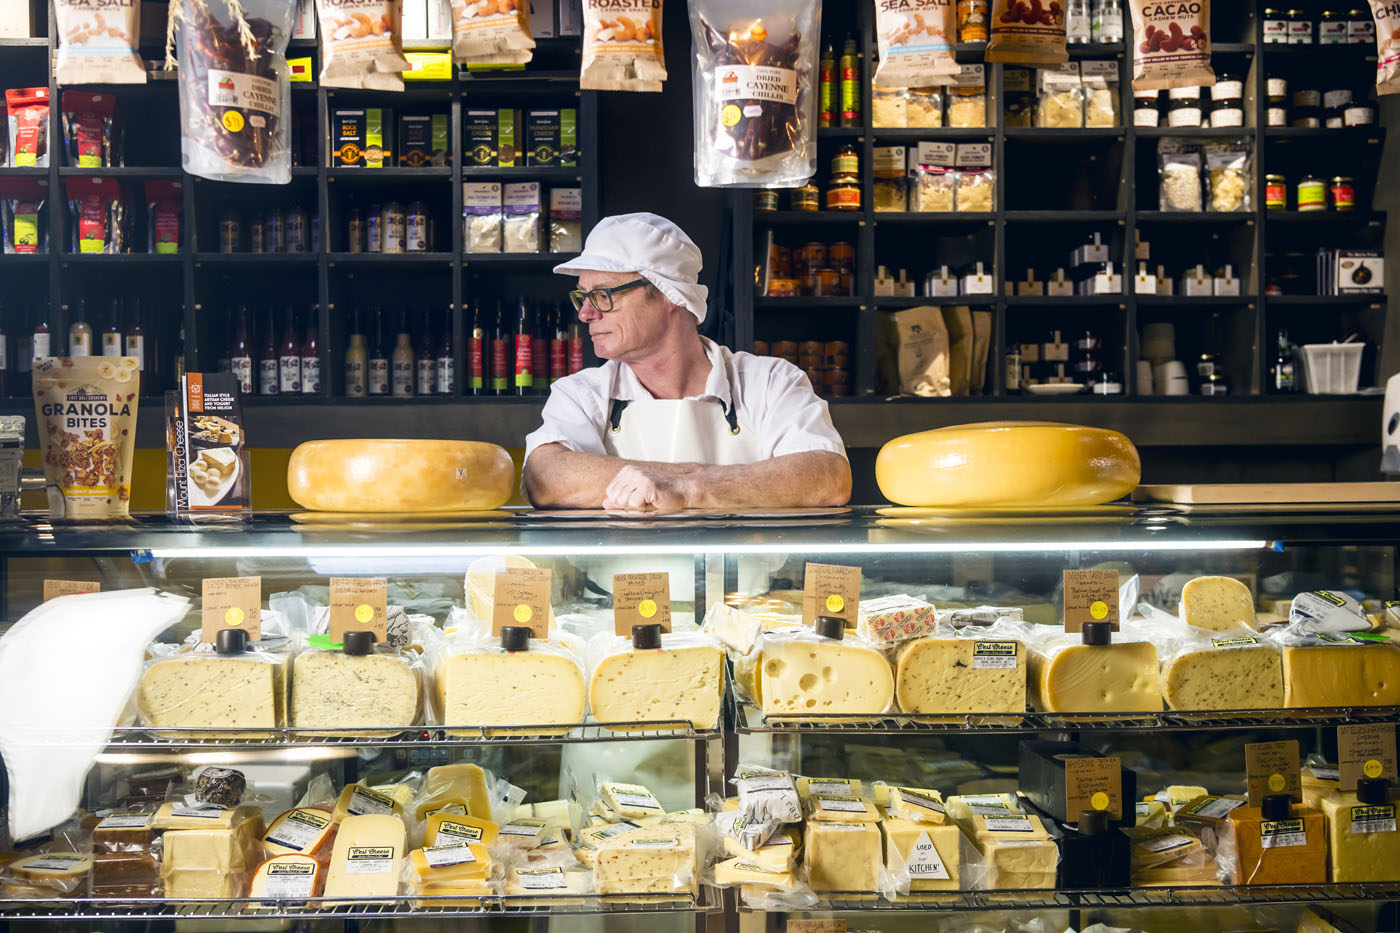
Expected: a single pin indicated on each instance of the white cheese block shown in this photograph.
(287, 878)
(206, 691)
(546, 887)
(222, 458)
(961, 675)
(211, 862)
(175, 815)
(811, 678)
(1246, 676)
(334, 690)
(1117, 678)
(303, 831)
(666, 684)
(738, 871)
(1221, 604)
(1017, 851)
(917, 805)
(650, 860)
(368, 857)
(383, 475)
(630, 801)
(526, 688)
(51, 872)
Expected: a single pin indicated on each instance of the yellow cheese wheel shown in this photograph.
(1008, 463)
(385, 475)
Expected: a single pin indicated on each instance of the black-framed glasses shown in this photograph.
(601, 298)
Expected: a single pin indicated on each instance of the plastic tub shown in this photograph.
(1332, 368)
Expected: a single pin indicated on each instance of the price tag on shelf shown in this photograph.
(831, 590)
(56, 588)
(1093, 784)
(1090, 596)
(359, 604)
(1366, 750)
(231, 602)
(641, 599)
(522, 599)
(1272, 768)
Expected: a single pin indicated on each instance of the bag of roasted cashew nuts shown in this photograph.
(492, 32)
(97, 42)
(361, 44)
(235, 112)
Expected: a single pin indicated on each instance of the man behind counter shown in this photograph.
(673, 420)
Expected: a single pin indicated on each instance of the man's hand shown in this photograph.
(638, 489)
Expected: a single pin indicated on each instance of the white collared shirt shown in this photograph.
(773, 400)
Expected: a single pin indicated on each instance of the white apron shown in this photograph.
(679, 431)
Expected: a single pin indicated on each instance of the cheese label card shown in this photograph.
(1366, 750)
(828, 925)
(1093, 784)
(831, 590)
(522, 598)
(359, 604)
(1090, 596)
(641, 599)
(1272, 768)
(56, 588)
(231, 602)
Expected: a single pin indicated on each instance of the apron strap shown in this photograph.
(731, 415)
(615, 414)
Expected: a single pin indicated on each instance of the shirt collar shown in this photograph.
(627, 387)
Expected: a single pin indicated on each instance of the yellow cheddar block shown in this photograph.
(359, 800)
(1363, 839)
(1341, 675)
(368, 857)
(446, 828)
(1117, 678)
(843, 856)
(303, 831)
(465, 782)
(451, 862)
(932, 854)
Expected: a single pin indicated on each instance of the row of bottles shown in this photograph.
(285, 365)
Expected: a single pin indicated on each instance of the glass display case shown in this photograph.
(987, 573)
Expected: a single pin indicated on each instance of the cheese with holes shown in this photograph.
(382, 475)
(1117, 678)
(1239, 674)
(650, 860)
(287, 878)
(665, 684)
(359, 800)
(462, 781)
(334, 690)
(526, 688)
(368, 857)
(810, 678)
(932, 854)
(213, 862)
(1341, 675)
(1221, 604)
(1363, 841)
(843, 856)
(1008, 463)
(208, 691)
(303, 831)
(444, 828)
(454, 861)
(961, 675)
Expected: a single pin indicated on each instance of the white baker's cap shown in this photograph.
(651, 246)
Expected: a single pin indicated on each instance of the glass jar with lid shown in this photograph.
(843, 192)
(1361, 27)
(1184, 108)
(765, 199)
(1300, 27)
(846, 161)
(1147, 108)
(1333, 28)
(1275, 25)
(1359, 113)
(1341, 193)
(806, 198)
(1275, 192)
(1307, 109)
(1227, 101)
(1312, 194)
(1334, 104)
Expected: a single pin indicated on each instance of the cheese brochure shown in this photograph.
(209, 470)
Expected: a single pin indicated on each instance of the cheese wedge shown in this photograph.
(51, 872)
(807, 786)
(205, 691)
(368, 857)
(630, 801)
(737, 871)
(1220, 604)
(286, 880)
(303, 831)
(841, 808)
(843, 856)
(334, 690)
(660, 685)
(1117, 678)
(545, 887)
(526, 688)
(651, 860)
(359, 800)
(920, 806)
(932, 854)
(961, 675)
(445, 828)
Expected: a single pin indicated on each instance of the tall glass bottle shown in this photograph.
(539, 344)
(401, 362)
(112, 344)
(378, 376)
(289, 357)
(446, 356)
(41, 343)
(850, 83)
(575, 347)
(524, 382)
(356, 362)
(1284, 369)
(476, 353)
(427, 361)
(558, 346)
(134, 339)
(311, 354)
(80, 331)
(826, 86)
(500, 355)
(240, 354)
(180, 351)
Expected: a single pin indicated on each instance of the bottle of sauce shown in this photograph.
(135, 338)
(378, 376)
(356, 362)
(289, 373)
(80, 331)
(112, 337)
(850, 83)
(268, 383)
(500, 355)
(476, 354)
(446, 357)
(311, 355)
(575, 347)
(41, 340)
(180, 350)
(558, 347)
(401, 372)
(426, 364)
(241, 353)
(539, 346)
(524, 350)
(827, 81)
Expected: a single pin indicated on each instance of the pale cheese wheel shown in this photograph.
(385, 475)
(1008, 464)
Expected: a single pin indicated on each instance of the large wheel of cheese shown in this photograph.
(382, 475)
(1008, 463)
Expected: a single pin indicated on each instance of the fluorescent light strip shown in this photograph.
(381, 551)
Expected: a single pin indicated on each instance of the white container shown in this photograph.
(1332, 368)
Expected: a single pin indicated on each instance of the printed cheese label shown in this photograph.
(126, 821)
(654, 844)
(1365, 820)
(369, 860)
(841, 804)
(639, 799)
(464, 831)
(995, 655)
(1015, 823)
(363, 801)
(289, 881)
(916, 799)
(1214, 808)
(924, 861)
(196, 812)
(57, 862)
(541, 879)
(1243, 641)
(821, 786)
(524, 828)
(1279, 834)
(300, 830)
(1167, 843)
(443, 856)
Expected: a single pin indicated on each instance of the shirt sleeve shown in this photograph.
(568, 420)
(796, 419)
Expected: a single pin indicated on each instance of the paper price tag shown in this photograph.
(641, 599)
(1090, 596)
(56, 588)
(231, 602)
(1093, 784)
(522, 598)
(1272, 768)
(1366, 750)
(359, 604)
(831, 590)
(827, 925)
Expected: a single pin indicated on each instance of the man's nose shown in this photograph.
(588, 313)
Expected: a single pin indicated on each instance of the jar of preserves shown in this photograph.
(765, 199)
(811, 257)
(846, 161)
(1275, 25)
(1276, 111)
(230, 232)
(1334, 104)
(843, 193)
(806, 198)
(1333, 28)
(1341, 193)
(1275, 192)
(355, 231)
(1147, 108)
(1307, 109)
(297, 235)
(1300, 28)
(1358, 113)
(1227, 101)
(1361, 27)
(1312, 194)
(1185, 107)
(1276, 87)
(255, 233)
(841, 256)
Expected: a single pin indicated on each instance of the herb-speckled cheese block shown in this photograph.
(207, 691)
(1220, 604)
(1248, 676)
(961, 675)
(333, 690)
(815, 678)
(525, 688)
(665, 684)
(1117, 678)
(1341, 675)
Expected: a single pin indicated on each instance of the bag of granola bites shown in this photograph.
(86, 410)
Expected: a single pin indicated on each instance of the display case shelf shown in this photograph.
(128, 738)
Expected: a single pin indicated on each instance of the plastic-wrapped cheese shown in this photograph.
(811, 676)
(961, 675)
(683, 680)
(1008, 463)
(1220, 604)
(462, 781)
(521, 688)
(387, 475)
(368, 856)
(1106, 677)
(338, 690)
(287, 878)
(1236, 673)
(1341, 675)
(244, 690)
(481, 583)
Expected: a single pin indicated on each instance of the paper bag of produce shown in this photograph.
(912, 353)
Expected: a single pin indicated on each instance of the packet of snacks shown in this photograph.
(1387, 46)
(86, 411)
(98, 215)
(622, 46)
(916, 43)
(1171, 45)
(1028, 32)
(492, 32)
(362, 44)
(97, 43)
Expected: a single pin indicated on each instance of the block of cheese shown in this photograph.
(286, 878)
(843, 856)
(49, 874)
(453, 805)
(811, 677)
(1151, 814)
(123, 831)
(461, 781)
(462, 895)
(667, 684)
(963, 807)
(650, 860)
(1341, 675)
(445, 828)
(335, 690)
(841, 808)
(303, 831)
(990, 465)
(359, 800)
(931, 853)
(1117, 678)
(546, 887)
(1208, 818)
(384, 475)
(630, 801)
(807, 786)
(1363, 839)
(525, 688)
(1169, 876)
(1221, 604)
(208, 691)
(778, 853)
(734, 871)
(918, 805)
(1238, 673)
(368, 856)
(1179, 795)
(455, 861)
(212, 862)
(1151, 848)
(888, 620)
(175, 815)
(554, 812)
(1284, 851)
(1016, 851)
(961, 675)
(1319, 782)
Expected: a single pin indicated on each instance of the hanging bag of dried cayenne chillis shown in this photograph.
(1171, 45)
(361, 44)
(492, 32)
(755, 92)
(235, 109)
(916, 42)
(1028, 32)
(622, 46)
(97, 42)
(1387, 16)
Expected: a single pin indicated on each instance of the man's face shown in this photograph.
(635, 326)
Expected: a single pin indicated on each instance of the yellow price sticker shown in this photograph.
(834, 603)
(1099, 801)
(1373, 769)
(364, 612)
(730, 115)
(234, 616)
(1099, 610)
(1277, 782)
(647, 608)
(523, 613)
(233, 121)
